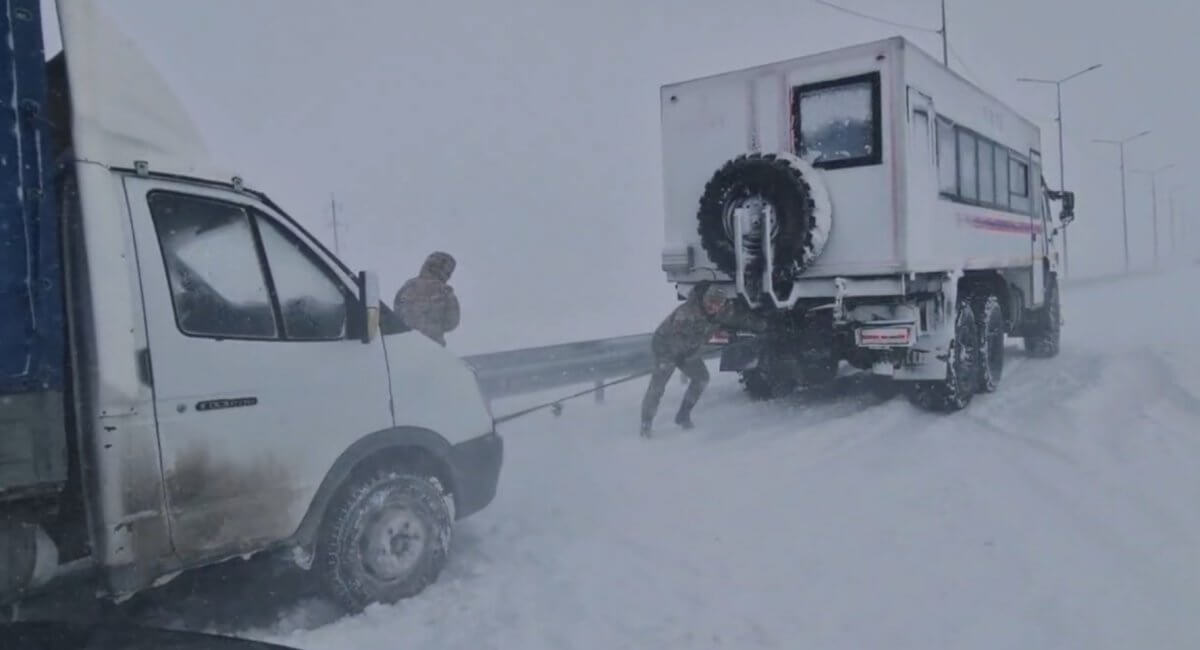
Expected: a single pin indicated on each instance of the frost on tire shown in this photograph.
(792, 188)
(955, 391)
(989, 317)
(385, 537)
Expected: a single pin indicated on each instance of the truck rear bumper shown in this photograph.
(476, 464)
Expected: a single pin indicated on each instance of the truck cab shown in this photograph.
(204, 379)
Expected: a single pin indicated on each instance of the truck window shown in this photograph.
(987, 173)
(837, 123)
(1018, 184)
(217, 284)
(312, 304)
(1001, 176)
(947, 158)
(968, 169)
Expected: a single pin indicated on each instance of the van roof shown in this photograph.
(122, 109)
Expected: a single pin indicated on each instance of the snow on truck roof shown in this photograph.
(896, 43)
(122, 109)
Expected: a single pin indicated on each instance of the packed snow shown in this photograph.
(1059, 512)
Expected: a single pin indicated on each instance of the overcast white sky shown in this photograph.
(523, 135)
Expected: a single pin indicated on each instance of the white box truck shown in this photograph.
(879, 208)
(186, 375)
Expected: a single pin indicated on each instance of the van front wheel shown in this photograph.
(386, 537)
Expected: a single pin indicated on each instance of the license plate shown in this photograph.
(884, 337)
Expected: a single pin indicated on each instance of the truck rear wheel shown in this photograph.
(990, 323)
(1043, 333)
(385, 537)
(955, 391)
(769, 381)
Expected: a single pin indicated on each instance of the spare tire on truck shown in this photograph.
(782, 183)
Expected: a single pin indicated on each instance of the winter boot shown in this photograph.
(684, 417)
(645, 429)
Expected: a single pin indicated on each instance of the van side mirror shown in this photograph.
(1067, 213)
(368, 303)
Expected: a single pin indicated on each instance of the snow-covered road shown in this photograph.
(1061, 512)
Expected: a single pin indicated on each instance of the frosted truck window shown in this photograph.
(838, 123)
(216, 280)
(1001, 163)
(947, 158)
(312, 304)
(987, 172)
(967, 167)
(1018, 179)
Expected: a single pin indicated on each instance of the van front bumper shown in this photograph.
(476, 464)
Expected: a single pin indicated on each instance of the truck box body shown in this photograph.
(32, 336)
(889, 216)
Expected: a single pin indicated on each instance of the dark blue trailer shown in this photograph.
(33, 456)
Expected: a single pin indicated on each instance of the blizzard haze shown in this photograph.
(523, 136)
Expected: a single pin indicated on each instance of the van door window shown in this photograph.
(312, 305)
(217, 284)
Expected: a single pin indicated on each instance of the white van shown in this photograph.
(877, 207)
(232, 387)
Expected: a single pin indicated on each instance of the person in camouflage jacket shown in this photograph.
(677, 344)
(427, 303)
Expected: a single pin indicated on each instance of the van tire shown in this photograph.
(954, 392)
(989, 316)
(385, 537)
(780, 183)
(1043, 332)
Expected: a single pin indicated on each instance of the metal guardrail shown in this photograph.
(514, 372)
(529, 370)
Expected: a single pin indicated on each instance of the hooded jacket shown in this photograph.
(427, 303)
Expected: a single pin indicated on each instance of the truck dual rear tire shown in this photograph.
(386, 537)
(767, 383)
(962, 377)
(990, 323)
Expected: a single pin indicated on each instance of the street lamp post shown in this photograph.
(1124, 204)
(1174, 235)
(1062, 181)
(1153, 174)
